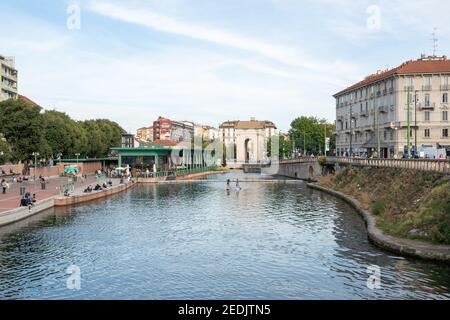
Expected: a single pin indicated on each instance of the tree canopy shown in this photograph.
(308, 134)
(26, 129)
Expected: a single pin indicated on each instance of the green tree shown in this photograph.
(102, 135)
(5, 151)
(22, 126)
(63, 135)
(308, 133)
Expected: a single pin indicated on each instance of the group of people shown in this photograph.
(238, 185)
(98, 187)
(28, 200)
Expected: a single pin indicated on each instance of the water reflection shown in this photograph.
(268, 241)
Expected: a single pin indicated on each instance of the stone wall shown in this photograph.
(299, 169)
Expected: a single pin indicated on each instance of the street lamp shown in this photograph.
(77, 155)
(35, 154)
(415, 122)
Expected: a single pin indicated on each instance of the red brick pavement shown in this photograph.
(11, 199)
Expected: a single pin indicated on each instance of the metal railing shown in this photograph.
(431, 165)
(176, 172)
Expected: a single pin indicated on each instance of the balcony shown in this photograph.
(391, 90)
(409, 88)
(383, 109)
(427, 87)
(384, 92)
(427, 106)
(354, 115)
(445, 87)
(364, 114)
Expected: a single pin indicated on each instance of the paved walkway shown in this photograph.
(11, 199)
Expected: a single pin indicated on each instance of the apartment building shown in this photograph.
(166, 129)
(8, 77)
(372, 115)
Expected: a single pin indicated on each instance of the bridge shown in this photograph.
(430, 165)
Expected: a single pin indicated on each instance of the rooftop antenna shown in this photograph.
(435, 42)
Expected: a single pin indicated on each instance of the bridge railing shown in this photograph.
(299, 160)
(432, 165)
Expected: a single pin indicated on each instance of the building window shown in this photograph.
(427, 81)
(409, 81)
(427, 115)
(445, 133)
(427, 100)
(427, 133)
(445, 81)
(346, 125)
(385, 135)
(445, 97)
(444, 115)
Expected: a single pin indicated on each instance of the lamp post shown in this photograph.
(351, 132)
(35, 154)
(77, 155)
(415, 122)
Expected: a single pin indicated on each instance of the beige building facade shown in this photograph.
(246, 141)
(372, 115)
(8, 77)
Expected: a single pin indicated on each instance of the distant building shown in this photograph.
(128, 140)
(166, 129)
(246, 141)
(372, 114)
(8, 77)
(145, 134)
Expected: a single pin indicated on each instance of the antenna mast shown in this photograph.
(435, 42)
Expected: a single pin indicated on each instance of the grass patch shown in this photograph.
(406, 203)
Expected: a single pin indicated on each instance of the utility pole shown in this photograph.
(415, 123)
(378, 134)
(351, 132)
(304, 143)
(35, 154)
(408, 120)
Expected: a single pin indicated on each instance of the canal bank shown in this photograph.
(406, 247)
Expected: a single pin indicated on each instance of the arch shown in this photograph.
(247, 150)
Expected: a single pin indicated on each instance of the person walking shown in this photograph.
(4, 185)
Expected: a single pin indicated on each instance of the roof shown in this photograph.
(29, 101)
(252, 124)
(166, 143)
(421, 66)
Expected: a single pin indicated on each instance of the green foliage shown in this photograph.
(309, 133)
(322, 161)
(378, 207)
(406, 203)
(5, 150)
(284, 145)
(23, 128)
(27, 130)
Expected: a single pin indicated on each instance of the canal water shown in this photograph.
(197, 241)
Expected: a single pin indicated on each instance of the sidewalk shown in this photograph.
(11, 199)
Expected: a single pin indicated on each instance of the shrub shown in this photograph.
(378, 207)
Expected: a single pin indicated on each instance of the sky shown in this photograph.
(209, 61)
